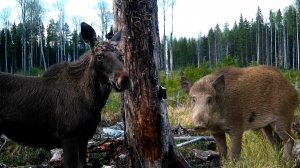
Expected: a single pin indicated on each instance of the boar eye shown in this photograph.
(209, 99)
(194, 99)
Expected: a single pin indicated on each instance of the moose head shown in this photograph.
(107, 59)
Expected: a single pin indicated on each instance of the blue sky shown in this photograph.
(190, 16)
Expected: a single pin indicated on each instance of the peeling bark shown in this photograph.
(148, 137)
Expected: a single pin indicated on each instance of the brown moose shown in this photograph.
(62, 107)
(233, 100)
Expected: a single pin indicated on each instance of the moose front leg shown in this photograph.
(71, 153)
(82, 153)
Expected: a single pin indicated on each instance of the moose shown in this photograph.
(62, 107)
(233, 100)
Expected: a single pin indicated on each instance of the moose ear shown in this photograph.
(219, 84)
(88, 34)
(116, 38)
(186, 84)
(110, 34)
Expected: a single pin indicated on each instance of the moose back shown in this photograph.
(62, 107)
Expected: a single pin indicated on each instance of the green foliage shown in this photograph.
(102, 158)
(36, 71)
(254, 63)
(175, 95)
(294, 77)
(112, 109)
(257, 151)
(16, 155)
(194, 73)
(291, 75)
(228, 61)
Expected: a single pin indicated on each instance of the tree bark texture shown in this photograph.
(148, 137)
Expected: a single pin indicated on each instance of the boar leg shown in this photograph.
(272, 137)
(220, 140)
(236, 143)
(284, 132)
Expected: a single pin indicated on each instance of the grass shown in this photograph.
(257, 152)
(15, 155)
(112, 109)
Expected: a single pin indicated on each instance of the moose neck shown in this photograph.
(94, 91)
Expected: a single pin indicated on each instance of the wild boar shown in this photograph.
(233, 100)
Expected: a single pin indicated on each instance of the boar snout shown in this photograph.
(200, 126)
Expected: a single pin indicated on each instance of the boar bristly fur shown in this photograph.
(233, 100)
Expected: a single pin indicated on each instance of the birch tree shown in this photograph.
(259, 20)
(291, 34)
(61, 40)
(198, 50)
(76, 20)
(5, 14)
(23, 4)
(171, 36)
(105, 16)
(271, 20)
(297, 29)
(164, 5)
(34, 20)
(278, 39)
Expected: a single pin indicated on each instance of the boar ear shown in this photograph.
(219, 84)
(186, 84)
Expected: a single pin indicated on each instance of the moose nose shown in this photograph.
(122, 81)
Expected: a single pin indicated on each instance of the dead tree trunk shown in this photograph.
(148, 137)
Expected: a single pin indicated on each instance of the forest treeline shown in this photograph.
(41, 51)
(273, 41)
(36, 43)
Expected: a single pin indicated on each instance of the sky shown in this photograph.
(191, 17)
(194, 16)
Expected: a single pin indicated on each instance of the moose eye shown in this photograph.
(209, 99)
(100, 58)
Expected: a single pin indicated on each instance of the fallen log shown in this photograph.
(204, 138)
(193, 140)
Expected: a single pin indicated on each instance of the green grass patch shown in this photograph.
(258, 152)
(112, 109)
(17, 155)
